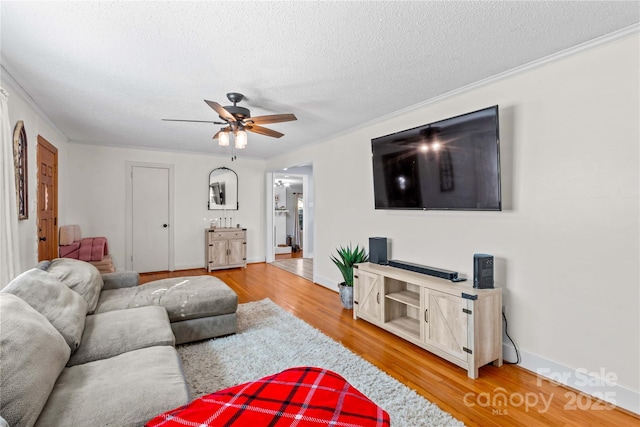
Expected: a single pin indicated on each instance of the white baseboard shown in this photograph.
(602, 385)
(178, 267)
(327, 283)
(194, 266)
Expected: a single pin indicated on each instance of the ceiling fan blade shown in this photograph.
(194, 121)
(227, 129)
(274, 118)
(221, 111)
(263, 131)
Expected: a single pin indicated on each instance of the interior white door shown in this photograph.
(150, 218)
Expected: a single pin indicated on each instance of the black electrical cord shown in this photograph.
(514, 344)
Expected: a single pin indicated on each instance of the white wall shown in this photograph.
(22, 108)
(97, 198)
(566, 243)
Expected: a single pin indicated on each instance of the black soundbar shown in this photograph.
(431, 271)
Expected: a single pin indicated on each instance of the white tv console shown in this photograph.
(452, 320)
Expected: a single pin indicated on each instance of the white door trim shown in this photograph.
(129, 210)
(269, 251)
(308, 232)
(306, 250)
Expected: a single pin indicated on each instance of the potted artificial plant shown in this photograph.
(345, 260)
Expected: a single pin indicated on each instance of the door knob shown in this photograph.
(42, 239)
(165, 225)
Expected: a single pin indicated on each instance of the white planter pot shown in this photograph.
(346, 295)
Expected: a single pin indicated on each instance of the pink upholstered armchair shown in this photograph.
(91, 249)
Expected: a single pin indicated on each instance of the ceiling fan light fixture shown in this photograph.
(238, 120)
(241, 139)
(223, 139)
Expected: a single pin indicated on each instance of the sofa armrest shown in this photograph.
(42, 265)
(121, 279)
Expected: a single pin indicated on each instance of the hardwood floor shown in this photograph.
(302, 267)
(296, 254)
(505, 396)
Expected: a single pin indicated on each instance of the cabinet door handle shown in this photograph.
(426, 316)
(378, 297)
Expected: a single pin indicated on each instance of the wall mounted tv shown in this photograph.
(451, 164)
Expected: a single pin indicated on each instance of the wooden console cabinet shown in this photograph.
(225, 248)
(452, 320)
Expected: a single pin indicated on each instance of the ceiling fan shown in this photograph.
(238, 120)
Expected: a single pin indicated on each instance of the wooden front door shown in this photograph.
(47, 213)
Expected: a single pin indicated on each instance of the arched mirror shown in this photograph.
(20, 163)
(223, 189)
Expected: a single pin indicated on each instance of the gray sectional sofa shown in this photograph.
(78, 348)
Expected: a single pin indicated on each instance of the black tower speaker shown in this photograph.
(482, 271)
(378, 250)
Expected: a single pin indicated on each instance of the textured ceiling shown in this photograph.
(107, 72)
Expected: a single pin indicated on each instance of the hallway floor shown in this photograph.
(295, 263)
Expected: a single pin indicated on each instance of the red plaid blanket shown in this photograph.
(300, 397)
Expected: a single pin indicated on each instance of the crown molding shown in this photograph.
(7, 80)
(624, 33)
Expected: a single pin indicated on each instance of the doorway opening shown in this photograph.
(292, 220)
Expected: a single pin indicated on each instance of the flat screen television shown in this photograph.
(450, 164)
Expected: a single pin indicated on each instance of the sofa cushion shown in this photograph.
(204, 328)
(33, 355)
(43, 265)
(120, 279)
(127, 390)
(116, 332)
(79, 276)
(65, 309)
(184, 297)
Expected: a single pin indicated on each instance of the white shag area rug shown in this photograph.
(270, 340)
